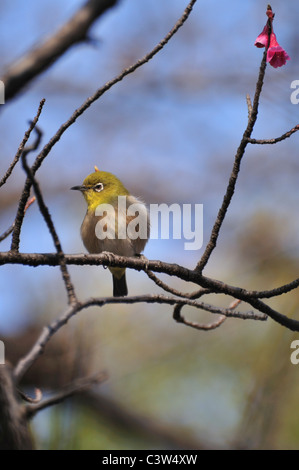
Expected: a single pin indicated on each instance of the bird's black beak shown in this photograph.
(79, 188)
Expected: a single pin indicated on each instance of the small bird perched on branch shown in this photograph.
(111, 224)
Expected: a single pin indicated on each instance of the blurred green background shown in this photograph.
(169, 132)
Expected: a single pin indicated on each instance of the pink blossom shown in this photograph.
(262, 39)
(276, 55)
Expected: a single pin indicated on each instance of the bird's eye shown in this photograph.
(98, 187)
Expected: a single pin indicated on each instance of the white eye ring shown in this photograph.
(98, 187)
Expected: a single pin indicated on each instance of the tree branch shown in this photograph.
(11, 228)
(249, 105)
(235, 171)
(77, 387)
(210, 285)
(78, 112)
(177, 316)
(26, 191)
(274, 141)
(22, 146)
(40, 58)
(72, 298)
(171, 290)
(47, 333)
(14, 431)
(215, 286)
(197, 326)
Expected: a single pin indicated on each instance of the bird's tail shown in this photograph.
(120, 288)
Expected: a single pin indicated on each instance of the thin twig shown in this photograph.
(200, 326)
(177, 316)
(186, 295)
(73, 389)
(11, 228)
(274, 141)
(235, 303)
(38, 348)
(15, 243)
(249, 105)
(47, 148)
(7, 233)
(37, 399)
(21, 147)
(235, 171)
(48, 219)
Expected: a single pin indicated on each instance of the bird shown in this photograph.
(111, 224)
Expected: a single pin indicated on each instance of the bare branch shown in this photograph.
(38, 396)
(14, 431)
(39, 59)
(235, 171)
(48, 219)
(171, 290)
(78, 112)
(205, 326)
(249, 105)
(251, 297)
(209, 285)
(47, 333)
(234, 303)
(26, 191)
(277, 139)
(177, 316)
(22, 145)
(7, 233)
(11, 228)
(73, 389)
(161, 299)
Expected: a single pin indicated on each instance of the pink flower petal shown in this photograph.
(273, 40)
(277, 56)
(262, 39)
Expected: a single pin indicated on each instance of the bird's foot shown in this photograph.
(144, 258)
(110, 257)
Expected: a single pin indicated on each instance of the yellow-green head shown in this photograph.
(101, 187)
